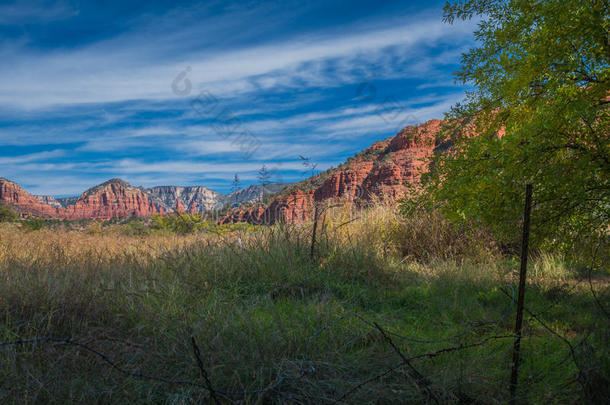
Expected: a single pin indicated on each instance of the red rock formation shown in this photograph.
(179, 206)
(193, 207)
(114, 198)
(24, 202)
(385, 169)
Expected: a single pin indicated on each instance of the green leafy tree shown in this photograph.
(180, 222)
(538, 113)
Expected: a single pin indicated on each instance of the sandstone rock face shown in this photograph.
(24, 202)
(114, 198)
(386, 169)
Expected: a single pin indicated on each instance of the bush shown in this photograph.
(423, 235)
(7, 214)
(181, 223)
(33, 224)
(94, 228)
(135, 228)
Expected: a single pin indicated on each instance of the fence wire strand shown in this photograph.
(306, 364)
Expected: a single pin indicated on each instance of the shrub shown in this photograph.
(135, 228)
(423, 235)
(33, 224)
(7, 214)
(95, 228)
(181, 223)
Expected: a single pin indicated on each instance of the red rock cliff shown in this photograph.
(114, 198)
(24, 202)
(385, 169)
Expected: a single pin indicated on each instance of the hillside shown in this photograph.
(386, 169)
(24, 202)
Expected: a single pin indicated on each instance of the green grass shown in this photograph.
(258, 307)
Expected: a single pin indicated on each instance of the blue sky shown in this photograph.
(158, 93)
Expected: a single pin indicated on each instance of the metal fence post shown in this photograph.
(514, 376)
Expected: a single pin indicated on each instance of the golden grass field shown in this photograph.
(274, 325)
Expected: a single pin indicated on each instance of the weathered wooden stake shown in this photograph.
(514, 376)
(315, 228)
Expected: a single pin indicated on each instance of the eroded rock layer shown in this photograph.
(388, 169)
(114, 198)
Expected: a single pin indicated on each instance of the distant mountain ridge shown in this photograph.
(56, 201)
(252, 193)
(117, 198)
(192, 199)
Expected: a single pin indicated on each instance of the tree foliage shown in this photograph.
(538, 113)
(264, 177)
(180, 222)
(235, 187)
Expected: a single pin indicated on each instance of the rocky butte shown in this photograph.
(387, 169)
(117, 198)
(24, 202)
(114, 198)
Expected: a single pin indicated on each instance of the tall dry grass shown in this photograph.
(262, 310)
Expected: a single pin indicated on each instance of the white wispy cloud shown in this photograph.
(31, 157)
(132, 69)
(276, 138)
(20, 12)
(296, 93)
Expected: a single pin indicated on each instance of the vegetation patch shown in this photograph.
(264, 314)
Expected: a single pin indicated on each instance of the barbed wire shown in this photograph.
(305, 369)
(417, 357)
(306, 366)
(208, 387)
